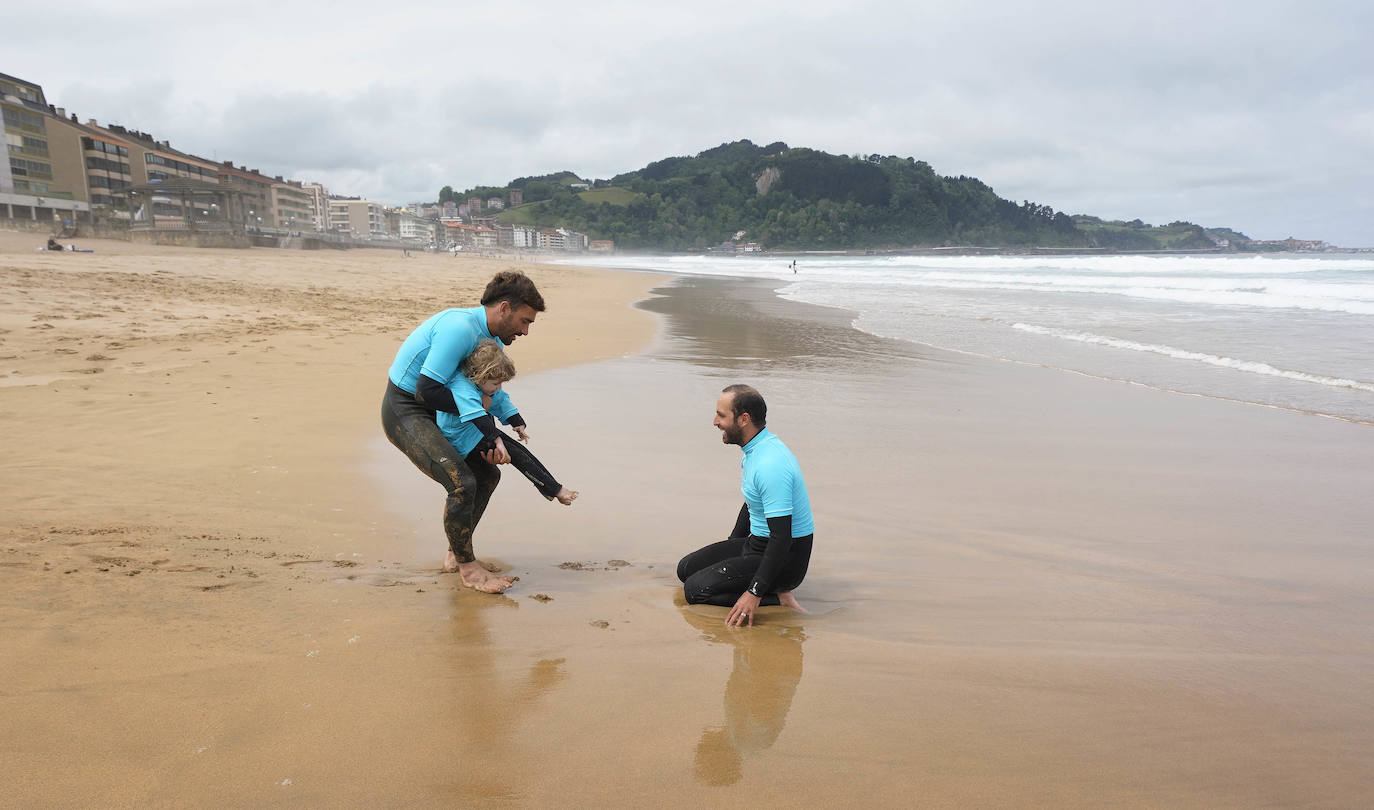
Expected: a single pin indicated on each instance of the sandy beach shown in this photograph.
(1030, 588)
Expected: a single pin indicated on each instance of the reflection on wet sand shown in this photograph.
(728, 324)
(488, 696)
(763, 679)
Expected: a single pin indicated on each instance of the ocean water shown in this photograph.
(1290, 331)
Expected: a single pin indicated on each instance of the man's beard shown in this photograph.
(733, 435)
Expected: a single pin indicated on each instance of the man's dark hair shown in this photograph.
(515, 287)
(747, 399)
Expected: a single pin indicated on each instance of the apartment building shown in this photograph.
(28, 169)
(102, 159)
(319, 203)
(415, 228)
(292, 206)
(42, 177)
(255, 189)
(362, 219)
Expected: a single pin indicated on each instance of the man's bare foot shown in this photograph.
(566, 496)
(786, 599)
(477, 577)
(451, 564)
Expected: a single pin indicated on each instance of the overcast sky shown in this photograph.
(1253, 115)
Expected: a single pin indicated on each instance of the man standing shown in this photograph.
(417, 387)
(766, 556)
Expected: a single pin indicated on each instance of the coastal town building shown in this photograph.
(28, 169)
(256, 191)
(359, 218)
(292, 206)
(412, 228)
(59, 168)
(319, 206)
(42, 179)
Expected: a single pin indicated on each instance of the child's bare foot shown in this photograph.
(477, 577)
(786, 599)
(566, 496)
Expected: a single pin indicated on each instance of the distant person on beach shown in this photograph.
(53, 244)
(767, 553)
(417, 388)
(481, 402)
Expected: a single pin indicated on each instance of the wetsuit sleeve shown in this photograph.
(433, 394)
(502, 408)
(490, 433)
(467, 399)
(774, 555)
(741, 523)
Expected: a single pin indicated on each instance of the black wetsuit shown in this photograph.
(719, 573)
(410, 425)
(520, 457)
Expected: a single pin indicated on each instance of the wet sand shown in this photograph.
(1029, 588)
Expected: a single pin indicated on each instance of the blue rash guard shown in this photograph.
(437, 347)
(772, 484)
(460, 428)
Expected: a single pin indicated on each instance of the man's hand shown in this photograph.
(498, 454)
(520, 431)
(743, 611)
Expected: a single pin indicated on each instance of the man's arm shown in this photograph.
(433, 394)
(741, 523)
(774, 555)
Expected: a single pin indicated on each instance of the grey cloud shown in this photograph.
(1256, 115)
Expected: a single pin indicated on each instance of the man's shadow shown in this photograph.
(767, 668)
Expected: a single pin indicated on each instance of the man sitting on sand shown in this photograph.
(417, 387)
(766, 556)
(53, 244)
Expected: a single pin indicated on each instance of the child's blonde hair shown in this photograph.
(488, 363)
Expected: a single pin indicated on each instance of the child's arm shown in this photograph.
(503, 409)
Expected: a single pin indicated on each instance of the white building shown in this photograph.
(320, 201)
(414, 228)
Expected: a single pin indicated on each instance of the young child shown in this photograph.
(473, 430)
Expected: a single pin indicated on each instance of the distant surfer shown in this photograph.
(767, 553)
(418, 387)
(794, 266)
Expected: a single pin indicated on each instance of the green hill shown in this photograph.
(803, 199)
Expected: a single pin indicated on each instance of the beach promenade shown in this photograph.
(219, 584)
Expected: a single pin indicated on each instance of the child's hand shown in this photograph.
(524, 437)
